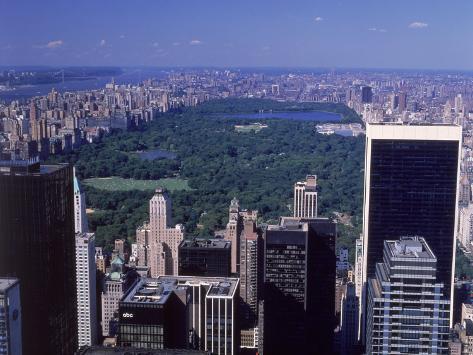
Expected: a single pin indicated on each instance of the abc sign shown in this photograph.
(127, 315)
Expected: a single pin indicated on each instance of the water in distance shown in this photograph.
(156, 154)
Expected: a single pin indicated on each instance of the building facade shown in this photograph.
(305, 198)
(165, 240)
(408, 311)
(86, 289)
(205, 257)
(299, 287)
(38, 247)
(10, 317)
(251, 272)
(236, 217)
(181, 312)
(411, 189)
(80, 215)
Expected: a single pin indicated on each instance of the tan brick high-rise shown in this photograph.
(164, 240)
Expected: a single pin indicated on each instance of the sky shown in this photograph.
(415, 34)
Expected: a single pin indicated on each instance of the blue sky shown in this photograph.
(427, 34)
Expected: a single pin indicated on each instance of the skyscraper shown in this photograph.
(233, 232)
(366, 95)
(86, 289)
(117, 283)
(80, 215)
(10, 317)
(411, 189)
(37, 246)
(251, 272)
(181, 312)
(305, 198)
(299, 287)
(165, 239)
(236, 217)
(205, 257)
(408, 312)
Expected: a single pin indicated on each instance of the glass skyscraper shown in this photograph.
(299, 287)
(37, 246)
(411, 180)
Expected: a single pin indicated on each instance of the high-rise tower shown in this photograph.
(299, 287)
(411, 189)
(86, 289)
(164, 243)
(305, 198)
(408, 312)
(80, 215)
(37, 246)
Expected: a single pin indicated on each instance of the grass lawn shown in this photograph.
(120, 184)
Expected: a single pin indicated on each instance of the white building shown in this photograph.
(10, 317)
(86, 286)
(80, 215)
(465, 234)
(305, 198)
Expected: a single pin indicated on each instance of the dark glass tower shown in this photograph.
(411, 180)
(37, 246)
(299, 287)
(205, 257)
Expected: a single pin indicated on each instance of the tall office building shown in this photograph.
(402, 102)
(408, 312)
(251, 272)
(233, 233)
(117, 283)
(366, 95)
(236, 217)
(349, 320)
(305, 198)
(143, 234)
(86, 289)
(299, 287)
(80, 215)
(205, 257)
(181, 312)
(465, 232)
(37, 246)
(359, 267)
(165, 239)
(10, 317)
(411, 189)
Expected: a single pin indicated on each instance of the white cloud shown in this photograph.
(195, 42)
(54, 44)
(374, 29)
(51, 44)
(318, 19)
(175, 44)
(266, 48)
(418, 25)
(155, 44)
(122, 36)
(103, 43)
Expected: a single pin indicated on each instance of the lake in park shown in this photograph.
(156, 154)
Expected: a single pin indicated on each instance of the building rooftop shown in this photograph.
(410, 247)
(205, 243)
(27, 167)
(6, 283)
(158, 290)
(103, 350)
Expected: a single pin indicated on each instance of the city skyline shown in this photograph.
(342, 34)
